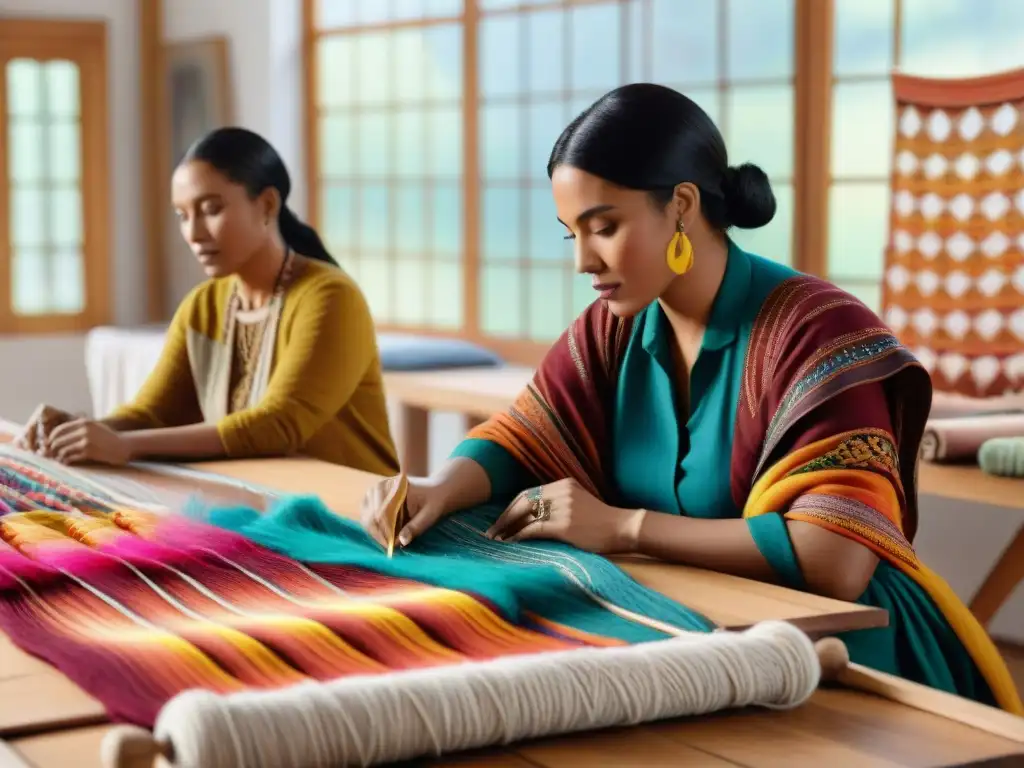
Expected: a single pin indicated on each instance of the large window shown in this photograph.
(53, 251)
(433, 121)
(928, 38)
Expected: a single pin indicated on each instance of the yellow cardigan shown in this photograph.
(325, 397)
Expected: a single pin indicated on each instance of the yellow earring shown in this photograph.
(680, 252)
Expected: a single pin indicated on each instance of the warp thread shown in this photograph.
(368, 720)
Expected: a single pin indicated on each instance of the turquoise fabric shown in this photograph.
(548, 579)
(677, 461)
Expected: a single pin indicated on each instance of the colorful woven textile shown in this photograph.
(954, 279)
(136, 607)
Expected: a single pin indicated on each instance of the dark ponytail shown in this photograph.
(649, 137)
(247, 158)
(301, 237)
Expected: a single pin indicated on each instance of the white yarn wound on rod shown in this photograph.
(367, 720)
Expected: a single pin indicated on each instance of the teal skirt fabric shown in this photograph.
(918, 644)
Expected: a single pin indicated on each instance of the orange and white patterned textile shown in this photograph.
(954, 277)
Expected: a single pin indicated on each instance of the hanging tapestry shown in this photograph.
(136, 606)
(954, 274)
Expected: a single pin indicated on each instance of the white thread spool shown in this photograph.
(383, 718)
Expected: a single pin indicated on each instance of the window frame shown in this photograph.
(812, 88)
(85, 43)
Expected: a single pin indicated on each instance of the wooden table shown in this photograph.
(50, 722)
(973, 486)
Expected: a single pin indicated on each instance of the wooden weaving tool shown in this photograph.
(396, 514)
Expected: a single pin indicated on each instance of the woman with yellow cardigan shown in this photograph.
(275, 354)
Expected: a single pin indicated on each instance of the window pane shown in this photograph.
(24, 87)
(435, 8)
(858, 226)
(869, 293)
(502, 224)
(412, 63)
(962, 38)
(335, 71)
(583, 294)
(65, 218)
(549, 302)
(26, 156)
(545, 36)
(62, 89)
(493, 5)
(407, 9)
(444, 63)
(446, 143)
(547, 236)
(446, 219)
(759, 128)
(410, 224)
(372, 12)
(501, 300)
(684, 48)
(411, 291)
(375, 278)
(28, 217)
(499, 56)
(373, 67)
(775, 240)
(446, 295)
(760, 39)
(337, 13)
(374, 218)
(337, 217)
(68, 288)
(595, 41)
(410, 143)
(862, 129)
(501, 141)
(636, 47)
(65, 151)
(863, 37)
(547, 121)
(708, 99)
(30, 284)
(336, 146)
(374, 143)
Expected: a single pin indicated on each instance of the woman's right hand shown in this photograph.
(40, 424)
(425, 504)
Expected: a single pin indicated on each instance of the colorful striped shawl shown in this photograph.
(831, 414)
(136, 607)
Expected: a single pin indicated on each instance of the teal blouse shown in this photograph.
(678, 462)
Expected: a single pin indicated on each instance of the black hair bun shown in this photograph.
(749, 200)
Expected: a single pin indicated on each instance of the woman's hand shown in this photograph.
(85, 441)
(425, 504)
(40, 424)
(566, 512)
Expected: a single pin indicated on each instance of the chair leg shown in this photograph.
(1001, 581)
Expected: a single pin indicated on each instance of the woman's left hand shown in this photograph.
(566, 512)
(85, 441)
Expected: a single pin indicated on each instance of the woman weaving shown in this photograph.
(714, 408)
(275, 354)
